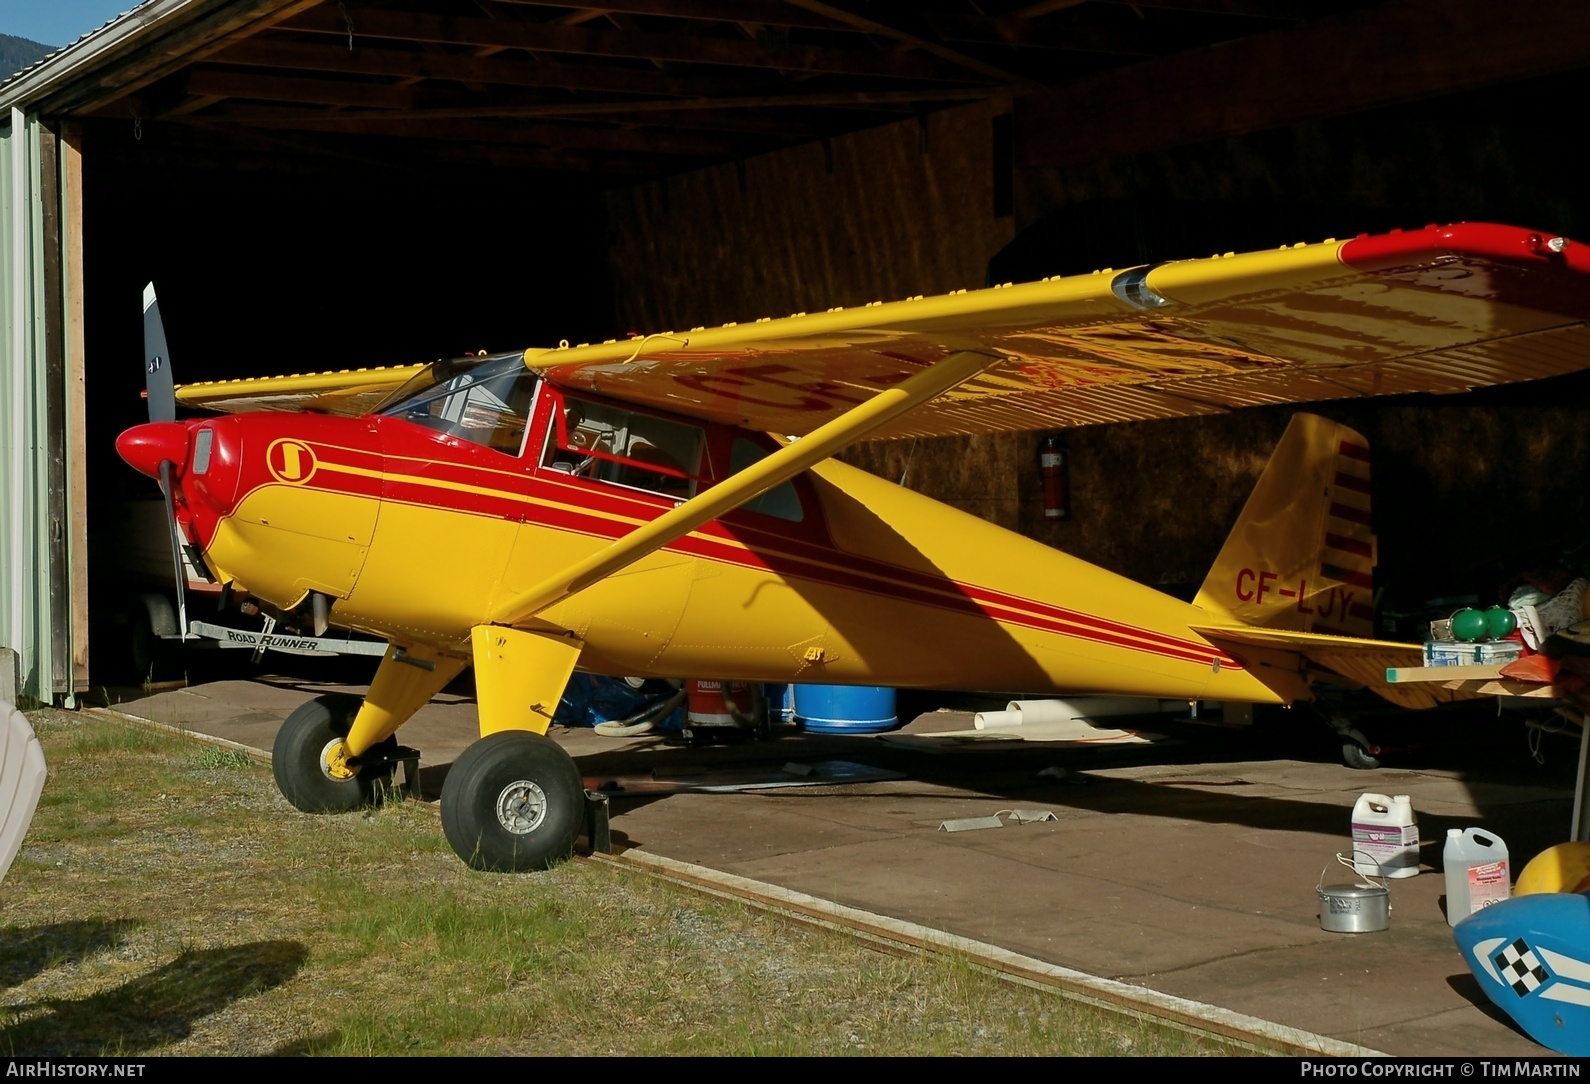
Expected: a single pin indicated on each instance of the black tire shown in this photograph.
(296, 759)
(1356, 756)
(513, 802)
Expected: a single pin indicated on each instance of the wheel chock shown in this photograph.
(597, 833)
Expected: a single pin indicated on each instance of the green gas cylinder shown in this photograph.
(1469, 625)
(1500, 622)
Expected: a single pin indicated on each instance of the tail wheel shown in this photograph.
(311, 763)
(514, 801)
(1357, 752)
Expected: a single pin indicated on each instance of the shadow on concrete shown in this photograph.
(155, 1008)
(1468, 987)
(27, 951)
(1489, 755)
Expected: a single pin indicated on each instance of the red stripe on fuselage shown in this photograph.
(602, 513)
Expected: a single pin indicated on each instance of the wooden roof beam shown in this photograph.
(556, 136)
(497, 70)
(167, 54)
(766, 12)
(1403, 51)
(633, 110)
(914, 39)
(257, 86)
(583, 41)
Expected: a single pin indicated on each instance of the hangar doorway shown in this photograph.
(273, 263)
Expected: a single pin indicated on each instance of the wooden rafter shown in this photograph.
(218, 30)
(498, 70)
(636, 111)
(638, 87)
(915, 39)
(757, 12)
(584, 41)
(258, 86)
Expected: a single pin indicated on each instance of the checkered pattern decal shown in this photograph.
(1521, 968)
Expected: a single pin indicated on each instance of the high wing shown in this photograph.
(1442, 309)
(348, 391)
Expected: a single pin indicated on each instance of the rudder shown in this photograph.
(1302, 554)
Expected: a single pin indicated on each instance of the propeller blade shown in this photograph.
(167, 487)
(157, 363)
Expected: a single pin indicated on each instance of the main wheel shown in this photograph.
(513, 801)
(310, 759)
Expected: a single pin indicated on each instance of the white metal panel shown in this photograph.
(24, 496)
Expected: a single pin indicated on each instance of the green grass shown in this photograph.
(168, 901)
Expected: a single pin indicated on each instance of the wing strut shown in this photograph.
(747, 485)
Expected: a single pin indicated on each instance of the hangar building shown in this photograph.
(326, 184)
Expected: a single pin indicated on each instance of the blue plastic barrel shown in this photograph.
(845, 709)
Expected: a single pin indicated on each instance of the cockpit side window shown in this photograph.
(625, 447)
(781, 502)
(488, 405)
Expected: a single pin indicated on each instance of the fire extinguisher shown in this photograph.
(1052, 469)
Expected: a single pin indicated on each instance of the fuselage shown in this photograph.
(840, 577)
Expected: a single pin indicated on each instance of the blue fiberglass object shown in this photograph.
(1531, 956)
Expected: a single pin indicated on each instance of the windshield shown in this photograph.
(487, 404)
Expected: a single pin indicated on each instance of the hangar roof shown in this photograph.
(636, 88)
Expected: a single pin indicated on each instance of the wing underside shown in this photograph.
(1436, 310)
(1443, 310)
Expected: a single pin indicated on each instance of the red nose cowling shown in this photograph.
(145, 446)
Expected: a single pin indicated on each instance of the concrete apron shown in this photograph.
(1195, 879)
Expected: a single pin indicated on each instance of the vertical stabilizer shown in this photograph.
(1302, 555)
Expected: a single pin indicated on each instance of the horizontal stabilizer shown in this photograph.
(1360, 661)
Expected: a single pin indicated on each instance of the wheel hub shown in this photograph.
(334, 761)
(521, 807)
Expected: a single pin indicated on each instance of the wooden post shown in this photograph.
(71, 156)
(54, 440)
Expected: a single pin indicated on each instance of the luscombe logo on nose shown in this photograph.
(291, 461)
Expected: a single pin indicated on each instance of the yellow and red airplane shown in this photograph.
(621, 507)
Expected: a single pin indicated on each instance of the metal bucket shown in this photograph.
(1353, 908)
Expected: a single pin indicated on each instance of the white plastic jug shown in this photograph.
(1475, 863)
(1385, 836)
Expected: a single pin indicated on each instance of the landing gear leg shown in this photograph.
(514, 800)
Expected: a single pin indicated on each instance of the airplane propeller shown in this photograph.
(161, 393)
(158, 386)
